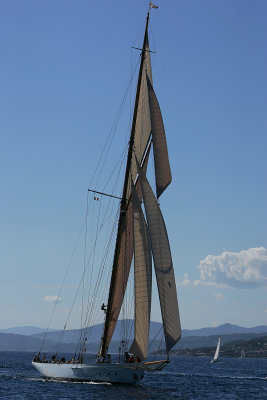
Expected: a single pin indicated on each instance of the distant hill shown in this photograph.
(12, 339)
(225, 329)
(95, 332)
(13, 342)
(194, 342)
(25, 330)
(255, 347)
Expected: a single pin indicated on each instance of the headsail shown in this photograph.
(163, 265)
(142, 279)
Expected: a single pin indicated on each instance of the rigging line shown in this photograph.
(81, 331)
(132, 305)
(111, 136)
(92, 311)
(128, 303)
(157, 352)
(94, 252)
(131, 89)
(108, 244)
(117, 117)
(111, 238)
(149, 51)
(155, 337)
(84, 254)
(76, 244)
(78, 289)
(119, 162)
(105, 253)
(119, 171)
(64, 279)
(104, 194)
(114, 190)
(109, 219)
(152, 36)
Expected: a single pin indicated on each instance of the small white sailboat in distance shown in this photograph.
(217, 351)
(242, 355)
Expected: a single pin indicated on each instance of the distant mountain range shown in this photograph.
(26, 330)
(29, 338)
(225, 329)
(96, 331)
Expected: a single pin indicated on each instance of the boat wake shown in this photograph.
(68, 381)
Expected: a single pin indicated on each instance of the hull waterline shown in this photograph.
(96, 372)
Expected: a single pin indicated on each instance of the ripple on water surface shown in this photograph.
(186, 378)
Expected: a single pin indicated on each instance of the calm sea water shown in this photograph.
(184, 378)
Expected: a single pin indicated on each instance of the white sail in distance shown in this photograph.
(217, 351)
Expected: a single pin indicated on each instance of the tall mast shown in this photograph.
(124, 204)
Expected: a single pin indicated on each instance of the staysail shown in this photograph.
(142, 278)
(163, 265)
(161, 158)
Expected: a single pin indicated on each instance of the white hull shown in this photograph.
(97, 372)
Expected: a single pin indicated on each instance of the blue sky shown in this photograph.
(63, 72)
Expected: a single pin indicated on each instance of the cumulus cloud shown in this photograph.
(246, 269)
(52, 299)
(186, 281)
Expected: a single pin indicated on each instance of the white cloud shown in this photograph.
(52, 299)
(247, 269)
(218, 296)
(186, 281)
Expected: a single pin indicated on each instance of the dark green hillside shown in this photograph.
(255, 347)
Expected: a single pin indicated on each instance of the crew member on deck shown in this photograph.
(131, 359)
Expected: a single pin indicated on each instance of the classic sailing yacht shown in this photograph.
(142, 237)
(217, 351)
